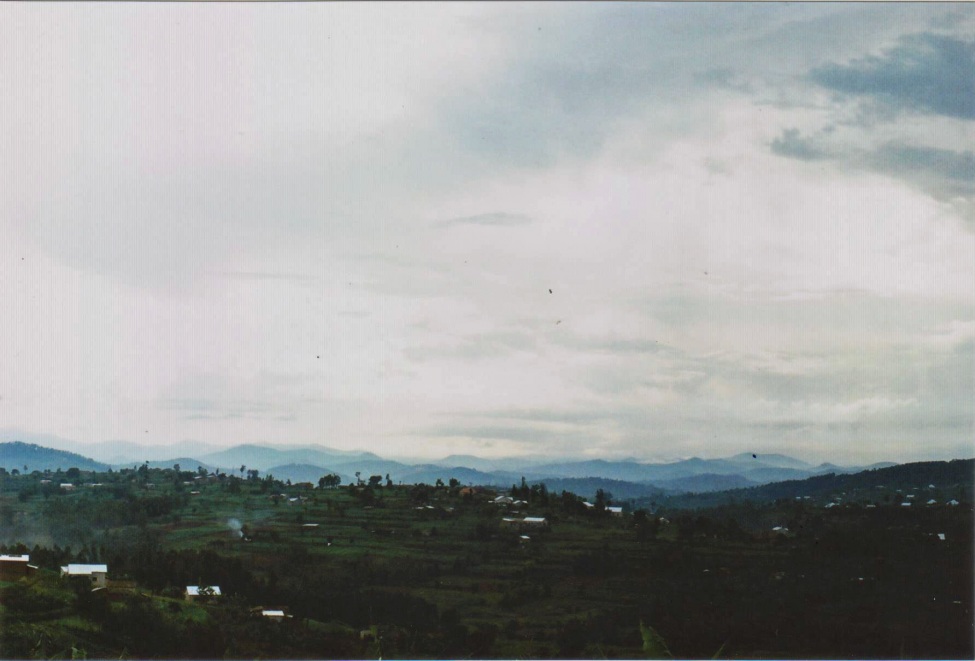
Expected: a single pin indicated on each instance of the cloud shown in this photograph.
(497, 219)
(926, 73)
(792, 145)
(477, 346)
(945, 174)
(258, 275)
(354, 236)
(724, 78)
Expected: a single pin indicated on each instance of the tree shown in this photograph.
(374, 480)
(242, 469)
(454, 483)
(73, 473)
(176, 467)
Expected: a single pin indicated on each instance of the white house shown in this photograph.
(14, 566)
(615, 511)
(194, 592)
(97, 574)
(527, 522)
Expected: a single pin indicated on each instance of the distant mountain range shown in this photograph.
(306, 463)
(27, 457)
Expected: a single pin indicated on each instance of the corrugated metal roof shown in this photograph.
(84, 570)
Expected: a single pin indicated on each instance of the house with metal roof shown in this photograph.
(97, 574)
(202, 592)
(13, 567)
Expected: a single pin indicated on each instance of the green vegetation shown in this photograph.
(434, 571)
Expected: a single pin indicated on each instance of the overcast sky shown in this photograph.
(604, 230)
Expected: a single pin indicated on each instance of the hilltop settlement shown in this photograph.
(167, 562)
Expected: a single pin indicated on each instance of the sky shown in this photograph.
(502, 229)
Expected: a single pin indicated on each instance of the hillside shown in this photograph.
(587, 487)
(305, 473)
(705, 482)
(934, 479)
(28, 457)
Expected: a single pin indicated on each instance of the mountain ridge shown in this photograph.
(694, 474)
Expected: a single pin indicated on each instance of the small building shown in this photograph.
(952, 502)
(941, 536)
(202, 592)
(905, 504)
(67, 486)
(614, 511)
(528, 522)
(932, 502)
(96, 574)
(13, 567)
(273, 614)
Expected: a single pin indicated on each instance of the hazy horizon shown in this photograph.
(109, 451)
(583, 230)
